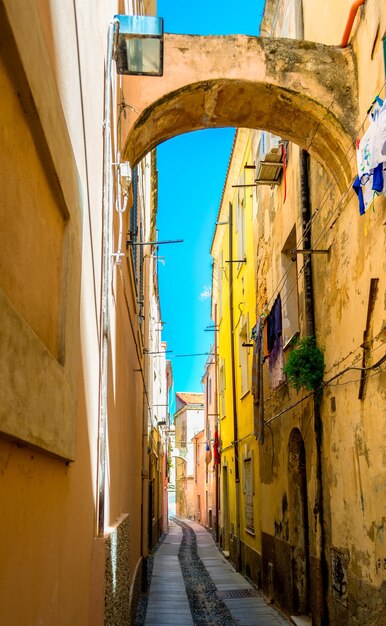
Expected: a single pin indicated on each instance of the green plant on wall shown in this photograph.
(305, 365)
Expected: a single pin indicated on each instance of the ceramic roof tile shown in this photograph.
(187, 397)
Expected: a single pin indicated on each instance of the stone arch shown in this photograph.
(302, 91)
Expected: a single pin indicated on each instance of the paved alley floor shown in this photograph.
(193, 584)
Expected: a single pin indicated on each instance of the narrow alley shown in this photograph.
(192, 313)
(192, 583)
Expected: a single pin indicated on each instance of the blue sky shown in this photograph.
(192, 169)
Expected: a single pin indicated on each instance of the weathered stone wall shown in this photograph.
(251, 563)
(117, 575)
(310, 88)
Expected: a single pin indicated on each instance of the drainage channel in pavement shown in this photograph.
(193, 584)
(206, 605)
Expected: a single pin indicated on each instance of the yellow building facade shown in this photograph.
(317, 261)
(234, 311)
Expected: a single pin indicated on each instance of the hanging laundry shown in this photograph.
(216, 452)
(275, 345)
(371, 157)
(208, 453)
(365, 151)
(265, 338)
(274, 323)
(380, 136)
(369, 186)
(257, 380)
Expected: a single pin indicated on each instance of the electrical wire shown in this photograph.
(357, 380)
(327, 383)
(307, 260)
(318, 212)
(357, 358)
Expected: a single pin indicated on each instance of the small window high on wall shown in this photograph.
(248, 495)
(243, 358)
(290, 298)
(222, 386)
(240, 218)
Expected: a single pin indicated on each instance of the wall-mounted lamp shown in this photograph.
(139, 45)
(126, 175)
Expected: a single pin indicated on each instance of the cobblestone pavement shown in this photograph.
(192, 584)
(205, 605)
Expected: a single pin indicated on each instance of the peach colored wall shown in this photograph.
(199, 477)
(52, 567)
(210, 427)
(23, 220)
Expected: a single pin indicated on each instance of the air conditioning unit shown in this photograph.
(268, 160)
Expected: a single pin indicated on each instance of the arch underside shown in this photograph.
(290, 114)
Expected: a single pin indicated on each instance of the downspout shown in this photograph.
(106, 280)
(233, 370)
(310, 331)
(350, 22)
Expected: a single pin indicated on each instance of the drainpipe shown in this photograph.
(106, 280)
(306, 216)
(310, 331)
(233, 370)
(350, 22)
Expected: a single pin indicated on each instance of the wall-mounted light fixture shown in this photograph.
(139, 45)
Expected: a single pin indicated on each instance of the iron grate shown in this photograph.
(237, 593)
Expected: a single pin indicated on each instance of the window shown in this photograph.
(243, 358)
(290, 302)
(268, 159)
(219, 283)
(183, 434)
(208, 435)
(136, 234)
(133, 232)
(248, 495)
(141, 294)
(289, 22)
(222, 386)
(240, 218)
